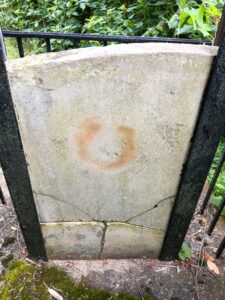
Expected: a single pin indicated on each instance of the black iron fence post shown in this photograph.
(14, 166)
(216, 216)
(2, 197)
(220, 248)
(213, 182)
(209, 129)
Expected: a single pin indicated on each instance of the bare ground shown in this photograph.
(191, 279)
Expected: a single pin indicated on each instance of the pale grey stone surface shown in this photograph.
(83, 240)
(155, 216)
(106, 130)
(73, 240)
(124, 240)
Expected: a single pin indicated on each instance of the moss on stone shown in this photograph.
(8, 240)
(27, 282)
(5, 261)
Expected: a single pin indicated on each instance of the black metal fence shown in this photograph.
(103, 39)
(221, 205)
(209, 129)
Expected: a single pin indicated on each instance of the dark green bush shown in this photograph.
(190, 19)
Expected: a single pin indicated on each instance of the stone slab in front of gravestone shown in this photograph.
(106, 132)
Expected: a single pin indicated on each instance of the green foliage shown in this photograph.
(219, 189)
(196, 19)
(25, 281)
(171, 18)
(185, 252)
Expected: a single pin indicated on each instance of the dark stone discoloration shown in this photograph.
(80, 236)
(8, 240)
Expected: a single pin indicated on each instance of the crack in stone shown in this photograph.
(148, 210)
(104, 222)
(103, 239)
(63, 201)
(135, 225)
(142, 226)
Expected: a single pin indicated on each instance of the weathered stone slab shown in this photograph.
(155, 216)
(106, 130)
(125, 240)
(86, 240)
(73, 240)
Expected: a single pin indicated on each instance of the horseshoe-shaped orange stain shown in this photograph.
(90, 129)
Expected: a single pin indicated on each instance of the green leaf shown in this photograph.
(183, 18)
(82, 6)
(185, 252)
(185, 29)
(200, 14)
(182, 3)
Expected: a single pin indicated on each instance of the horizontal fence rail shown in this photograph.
(105, 39)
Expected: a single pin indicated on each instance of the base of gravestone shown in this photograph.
(164, 280)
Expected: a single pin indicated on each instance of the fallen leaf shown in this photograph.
(203, 220)
(54, 294)
(208, 257)
(213, 267)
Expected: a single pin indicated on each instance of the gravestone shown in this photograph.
(106, 132)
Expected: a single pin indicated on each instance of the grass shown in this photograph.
(30, 47)
(11, 48)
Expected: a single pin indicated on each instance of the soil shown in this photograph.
(185, 280)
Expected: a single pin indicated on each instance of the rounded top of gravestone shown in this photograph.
(88, 62)
(114, 50)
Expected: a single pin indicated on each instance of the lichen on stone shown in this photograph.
(8, 240)
(28, 282)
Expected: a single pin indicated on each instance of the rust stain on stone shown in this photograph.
(90, 129)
